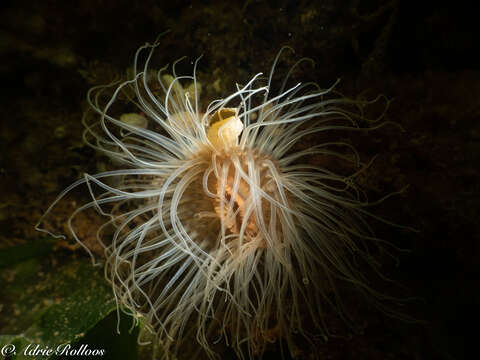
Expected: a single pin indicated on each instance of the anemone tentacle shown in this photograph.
(218, 227)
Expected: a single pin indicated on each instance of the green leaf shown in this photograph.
(47, 302)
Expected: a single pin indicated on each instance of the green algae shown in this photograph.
(50, 303)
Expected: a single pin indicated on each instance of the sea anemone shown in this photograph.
(223, 226)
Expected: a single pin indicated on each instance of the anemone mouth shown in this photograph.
(236, 204)
(234, 207)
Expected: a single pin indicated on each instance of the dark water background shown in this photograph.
(421, 54)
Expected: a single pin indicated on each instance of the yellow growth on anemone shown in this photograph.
(220, 230)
